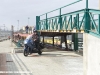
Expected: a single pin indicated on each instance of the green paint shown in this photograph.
(93, 23)
(75, 36)
(77, 21)
(86, 4)
(46, 22)
(64, 22)
(81, 22)
(87, 20)
(71, 21)
(99, 24)
(60, 20)
(68, 23)
(76, 41)
(37, 22)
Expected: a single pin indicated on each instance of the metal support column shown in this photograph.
(43, 40)
(75, 40)
(86, 4)
(87, 18)
(87, 21)
(53, 40)
(37, 22)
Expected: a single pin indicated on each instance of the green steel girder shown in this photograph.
(94, 24)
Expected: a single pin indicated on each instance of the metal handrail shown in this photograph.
(62, 7)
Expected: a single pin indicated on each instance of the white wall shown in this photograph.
(91, 54)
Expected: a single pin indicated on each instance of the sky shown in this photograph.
(13, 10)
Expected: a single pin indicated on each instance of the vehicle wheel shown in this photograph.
(39, 52)
(26, 52)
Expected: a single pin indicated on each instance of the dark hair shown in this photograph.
(35, 31)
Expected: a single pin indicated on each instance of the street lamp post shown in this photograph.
(28, 20)
(4, 27)
(18, 25)
(28, 24)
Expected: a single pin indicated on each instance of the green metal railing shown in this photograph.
(80, 20)
(67, 21)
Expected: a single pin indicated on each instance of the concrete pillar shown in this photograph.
(85, 53)
(91, 54)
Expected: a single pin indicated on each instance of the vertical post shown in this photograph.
(87, 21)
(46, 22)
(37, 22)
(43, 39)
(12, 31)
(53, 40)
(71, 21)
(77, 21)
(99, 24)
(18, 25)
(86, 4)
(75, 40)
(60, 20)
(87, 18)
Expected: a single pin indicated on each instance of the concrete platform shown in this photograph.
(49, 63)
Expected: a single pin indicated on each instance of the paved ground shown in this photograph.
(50, 63)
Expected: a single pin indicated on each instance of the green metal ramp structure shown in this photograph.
(80, 21)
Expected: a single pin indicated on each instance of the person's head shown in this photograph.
(35, 32)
